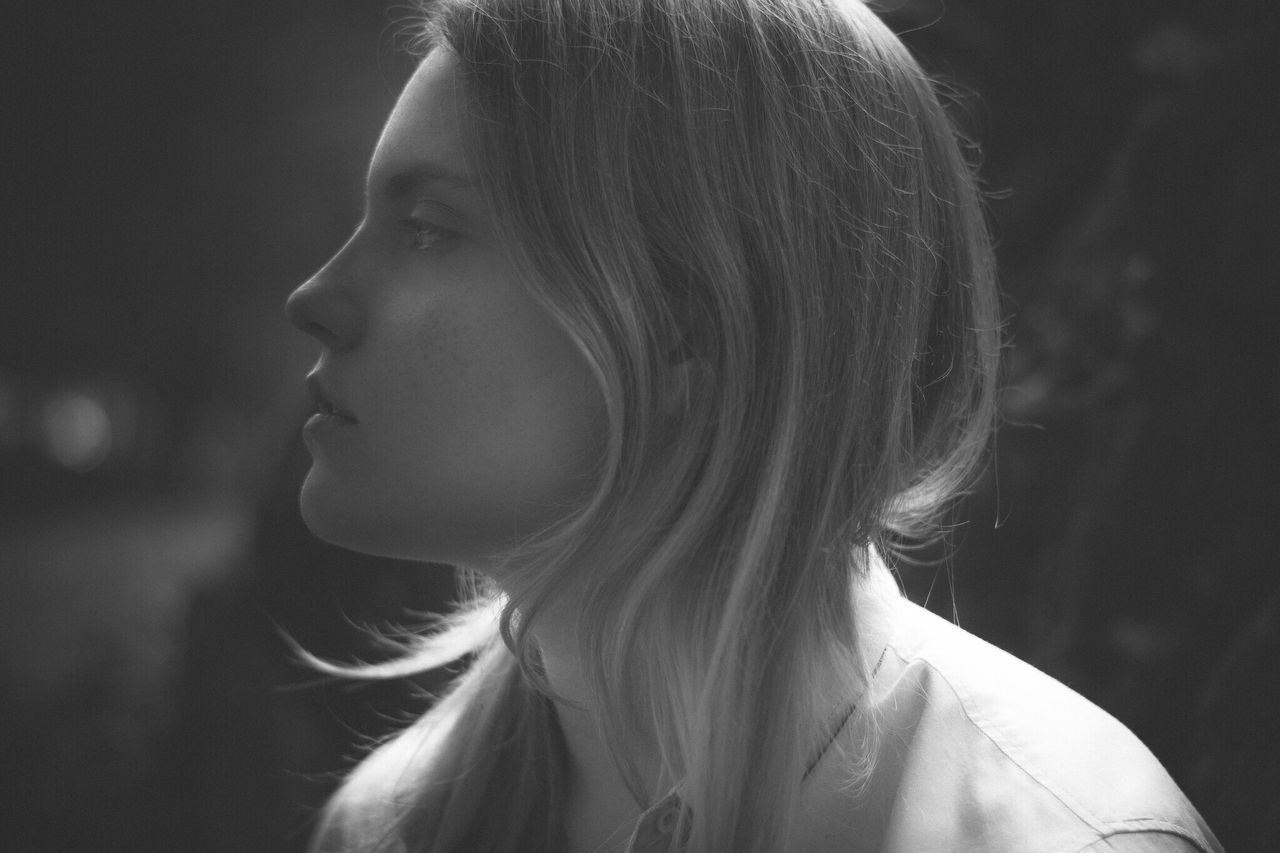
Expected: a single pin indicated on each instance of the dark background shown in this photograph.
(174, 169)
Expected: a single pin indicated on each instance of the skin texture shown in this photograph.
(477, 421)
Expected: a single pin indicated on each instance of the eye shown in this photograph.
(427, 235)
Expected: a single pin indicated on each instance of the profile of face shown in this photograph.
(454, 416)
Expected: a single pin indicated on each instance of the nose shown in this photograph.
(326, 309)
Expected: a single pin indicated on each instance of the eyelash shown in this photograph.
(427, 235)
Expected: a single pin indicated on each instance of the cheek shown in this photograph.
(494, 411)
(454, 378)
(516, 399)
(558, 420)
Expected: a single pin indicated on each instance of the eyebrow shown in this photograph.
(419, 176)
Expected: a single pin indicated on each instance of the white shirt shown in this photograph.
(980, 752)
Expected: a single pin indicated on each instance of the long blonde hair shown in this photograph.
(756, 222)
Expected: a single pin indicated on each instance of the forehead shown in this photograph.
(424, 126)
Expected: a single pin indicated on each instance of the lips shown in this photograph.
(325, 402)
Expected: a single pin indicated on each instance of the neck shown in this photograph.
(600, 808)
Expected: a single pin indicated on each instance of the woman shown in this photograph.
(666, 319)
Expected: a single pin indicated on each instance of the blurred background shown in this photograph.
(176, 168)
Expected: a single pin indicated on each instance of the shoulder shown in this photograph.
(978, 750)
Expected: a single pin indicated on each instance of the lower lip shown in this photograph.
(321, 424)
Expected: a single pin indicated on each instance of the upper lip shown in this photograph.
(324, 398)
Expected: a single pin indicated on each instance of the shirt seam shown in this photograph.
(1158, 827)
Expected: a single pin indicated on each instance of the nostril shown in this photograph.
(296, 309)
(300, 309)
(322, 309)
(320, 333)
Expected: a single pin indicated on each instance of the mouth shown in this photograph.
(325, 405)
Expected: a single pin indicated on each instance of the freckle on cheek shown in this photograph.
(441, 346)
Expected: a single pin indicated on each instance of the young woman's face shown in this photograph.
(468, 419)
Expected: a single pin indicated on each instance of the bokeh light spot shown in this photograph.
(77, 431)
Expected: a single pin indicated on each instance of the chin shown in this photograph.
(340, 517)
(331, 516)
(322, 518)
